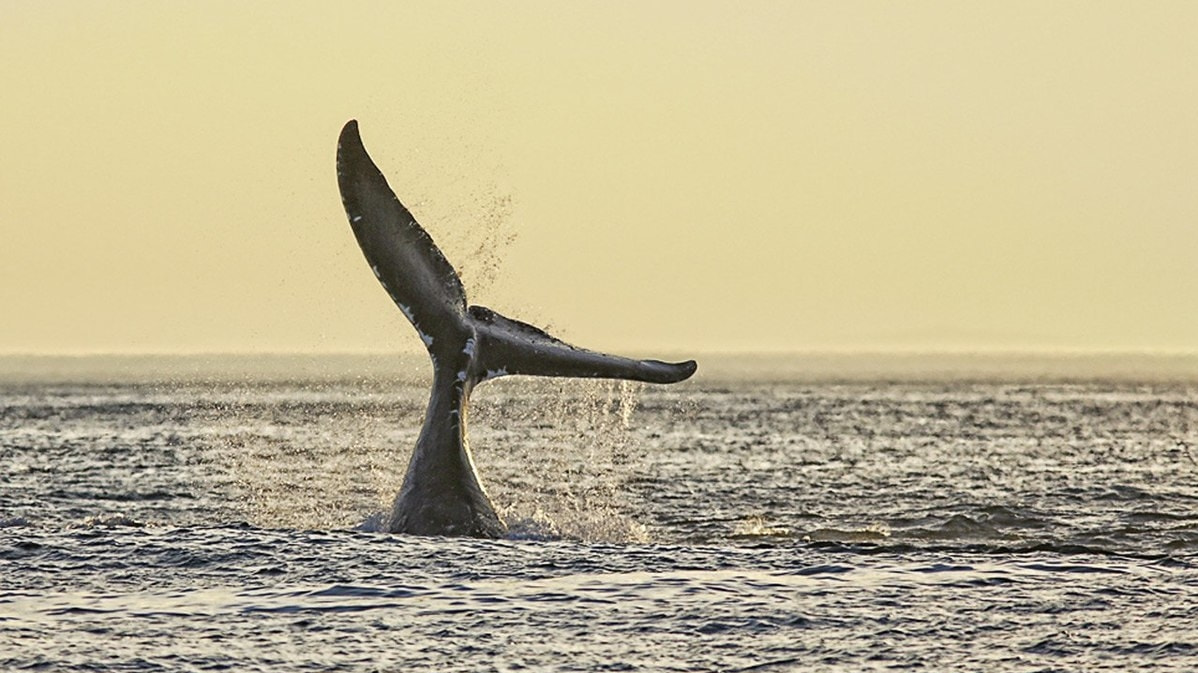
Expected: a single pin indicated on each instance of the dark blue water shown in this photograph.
(717, 525)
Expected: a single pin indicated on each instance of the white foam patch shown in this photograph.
(495, 373)
(375, 523)
(407, 312)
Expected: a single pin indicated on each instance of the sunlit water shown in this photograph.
(707, 526)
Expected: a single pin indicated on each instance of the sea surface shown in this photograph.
(722, 524)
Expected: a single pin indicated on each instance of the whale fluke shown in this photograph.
(441, 494)
(400, 252)
(514, 347)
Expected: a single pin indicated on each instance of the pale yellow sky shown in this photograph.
(677, 176)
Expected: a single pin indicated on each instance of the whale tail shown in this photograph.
(428, 290)
(441, 493)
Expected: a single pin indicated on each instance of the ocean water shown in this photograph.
(716, 525)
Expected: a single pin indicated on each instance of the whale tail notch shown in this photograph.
(425, 286)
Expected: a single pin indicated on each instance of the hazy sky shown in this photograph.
(661, 176)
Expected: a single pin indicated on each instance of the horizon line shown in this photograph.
(843, 351)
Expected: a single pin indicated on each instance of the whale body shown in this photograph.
(441, 492)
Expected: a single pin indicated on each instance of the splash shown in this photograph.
(471, 217)
(872, 532)
(555, 454)
(758, 526)
(478, 237)
(321, 458)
